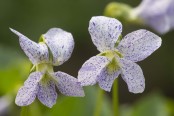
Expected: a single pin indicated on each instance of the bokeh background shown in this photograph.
(35, 17)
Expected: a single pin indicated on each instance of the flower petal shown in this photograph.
(156, 14)
(68, 85)
(91, 69)
(27, 93)
(138, 45)
(170, 13)
(160, 23)
(133, 76)
(37, 53)
(61, 44)
(47, 92)
(107, 78)
(104, 32)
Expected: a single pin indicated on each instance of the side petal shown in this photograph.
(61, 44)
(104, 32)
(107, 78)
(27, 93)
(91, 69)
(138, 45)
(133, 76)
(37, 53)
(68, 85)
(47, 93)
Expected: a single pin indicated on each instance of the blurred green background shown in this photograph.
(35, 17)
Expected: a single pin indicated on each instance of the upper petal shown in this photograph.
(104, 32)
(133, 76)
(37, 53)
(91, 69)
(138, 45)
(47, 92)
(61, 44)
(27, 93)
(68, 85)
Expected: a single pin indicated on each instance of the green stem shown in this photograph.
(99, 102)
(115, 98)
(25, 111)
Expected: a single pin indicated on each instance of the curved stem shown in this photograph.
(115, 98)
(99, 102)
(31, 110)
(25, 111)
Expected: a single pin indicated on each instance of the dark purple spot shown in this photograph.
(119, 27)
(93, 23)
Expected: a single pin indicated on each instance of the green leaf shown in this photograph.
(170, 107)
(78, 106)
(14, 69)
(152, 105)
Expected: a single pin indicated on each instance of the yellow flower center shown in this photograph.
(113, 56)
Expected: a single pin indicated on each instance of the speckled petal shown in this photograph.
(61, 44)
(68, 85)
(91, 69)
(104, 32)
(170, 13)
(37, 53)
(133, 76)
(156, 14)
(47, 92)
(138, 45)
(27, 93)
(107, 78)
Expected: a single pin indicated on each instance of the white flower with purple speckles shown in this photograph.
(158, 14)
(117, 56)
(55, 48)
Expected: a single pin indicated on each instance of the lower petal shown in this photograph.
(107, 78)
(91, 69)
(68, 85)
(47, 93)
(132, 74)
(27, 93)
(26, 96)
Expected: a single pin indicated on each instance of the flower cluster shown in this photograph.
(55, 47)
(117, 56)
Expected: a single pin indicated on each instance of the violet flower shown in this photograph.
(55, 48)
(117, 57)
(158, 14)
